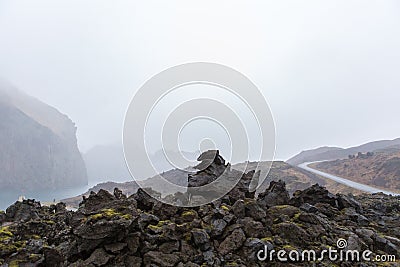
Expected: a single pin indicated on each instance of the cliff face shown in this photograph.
(38, 145)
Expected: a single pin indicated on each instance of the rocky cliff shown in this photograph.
(38, 145)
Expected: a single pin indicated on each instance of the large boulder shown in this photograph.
(313, 195)
(276, 194)
(23, 211)
(211, 166)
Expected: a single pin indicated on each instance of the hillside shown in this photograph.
(380, 169)
(38, 145)
(333, 153)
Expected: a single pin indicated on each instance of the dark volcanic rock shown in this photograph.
(201, 238)
(233, 242)
(244, 188)
(154, 258)
(214, 171)
(314, 194)
(115, 230)
(23, 211)
(276, 194)
(212, 165)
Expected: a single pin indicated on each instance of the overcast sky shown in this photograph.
(330, 70)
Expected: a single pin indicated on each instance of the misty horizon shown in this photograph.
(328, 71)
(7, 85)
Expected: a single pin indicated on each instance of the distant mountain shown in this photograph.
(38, 145)
(333, 153)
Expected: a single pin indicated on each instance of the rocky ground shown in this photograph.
(116, 230)
(294, 177)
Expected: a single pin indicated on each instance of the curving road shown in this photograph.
(359, 186)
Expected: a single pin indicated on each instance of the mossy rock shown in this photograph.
(225, 208)
(158, 228)
(5, 234)
(268, 238)
(284, 210)
(7, 249)
(34, 257)
(16, 263)
(189, 215)
(5, 231)
(109, 214)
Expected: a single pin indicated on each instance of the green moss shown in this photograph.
(5, 231)
(160, 224)
(20, 244)
(8, 248)
(126, 216)
(247, 201)
(5, 234)
(280, 207)
(109, 214)
(96, 217)
(225, 208)
(34, 257)
(269, 239)
(163, 222)
(15, 263)
(296, 216)
(300, 225)
(4, 238)
(188, 213)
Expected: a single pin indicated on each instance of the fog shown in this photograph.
(329, 70)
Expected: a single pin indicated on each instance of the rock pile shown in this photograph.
(116, 230)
